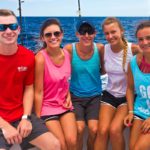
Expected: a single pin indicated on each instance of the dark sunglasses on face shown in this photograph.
(12, 27)
(49, 34)
(85, 30)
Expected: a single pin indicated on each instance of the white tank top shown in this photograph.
(117, 82)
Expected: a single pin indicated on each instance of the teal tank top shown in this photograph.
(142, 89)
(85, 76)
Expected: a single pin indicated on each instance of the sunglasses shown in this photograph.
(49, 34)
(12, 27)
(86, 29)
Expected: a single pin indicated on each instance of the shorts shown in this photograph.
(138, 117)
(38, 128)
(54, 117)
(115, 102)
(86, 108)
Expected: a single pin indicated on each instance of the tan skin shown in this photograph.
(140, 129)
(8, 46)
(85, 51)
(64, 128)
(110, 118)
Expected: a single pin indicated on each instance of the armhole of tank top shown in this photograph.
(105, 49)
(73, 50)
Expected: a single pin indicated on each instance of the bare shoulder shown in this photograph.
(39, 58)
(135, 49)
(100, 47)
(139, 57)
(68, 47)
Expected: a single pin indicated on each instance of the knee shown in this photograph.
(80, 129)
(115, 132)
(71, 141)
(56, 145)
(142, 145)
(93, 130)
(103, 131)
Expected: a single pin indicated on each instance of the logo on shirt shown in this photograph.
(22, 68)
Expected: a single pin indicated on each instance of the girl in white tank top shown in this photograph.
(113, 109)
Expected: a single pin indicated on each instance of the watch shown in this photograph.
(27, 117)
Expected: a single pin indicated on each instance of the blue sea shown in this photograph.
(31, 28)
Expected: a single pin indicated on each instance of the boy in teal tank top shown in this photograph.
(85, 85)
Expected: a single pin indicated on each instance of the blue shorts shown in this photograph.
(115, 102)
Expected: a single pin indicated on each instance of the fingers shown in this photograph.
(16, 139)
(24, 128)
(145, 127)
(128, 121)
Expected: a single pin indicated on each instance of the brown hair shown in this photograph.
(142, 25)
(7, 12)
(48, 22)
(110, 20)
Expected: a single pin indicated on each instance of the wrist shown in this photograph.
(26, 117)
(130, 111)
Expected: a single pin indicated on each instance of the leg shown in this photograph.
(69, 127)
(46, 141)
(92, 127)
(105, 117)
(80, 130)
(92, 114)
(117, 127)
(135, 132)
(54, 126)
(143, 142)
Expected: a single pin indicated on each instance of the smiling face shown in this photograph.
(8, 36)
(52, 36)
(113, 33)
(86, 35)
(143, 36)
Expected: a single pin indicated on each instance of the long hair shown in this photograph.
(48, 22)
(111, 20)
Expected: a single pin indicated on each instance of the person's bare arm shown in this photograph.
(39, 74)
(101, 54)
(130, 97)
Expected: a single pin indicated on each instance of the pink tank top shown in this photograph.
(56, 85)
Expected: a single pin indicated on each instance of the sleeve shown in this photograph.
(30, 74)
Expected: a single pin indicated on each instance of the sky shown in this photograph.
(88, 7)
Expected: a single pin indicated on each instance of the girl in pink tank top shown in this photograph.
(52, 97)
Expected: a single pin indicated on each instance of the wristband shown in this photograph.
(27, 117)
(131, 111)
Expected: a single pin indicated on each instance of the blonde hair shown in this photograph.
(111, 20)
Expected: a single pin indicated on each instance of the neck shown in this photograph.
(8, 49)
(147, 57)
(54, 52)
(118, 47)
(85, 49)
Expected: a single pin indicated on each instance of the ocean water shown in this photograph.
(31, 28)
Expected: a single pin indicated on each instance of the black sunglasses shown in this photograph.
(49, 34)
(86, 29)
(13, 26)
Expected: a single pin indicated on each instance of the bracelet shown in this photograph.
(131, 111)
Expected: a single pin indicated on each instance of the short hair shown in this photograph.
(142, 25)
(7, 12)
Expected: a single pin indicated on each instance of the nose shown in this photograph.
(145, 41)
(86, 34)
(8, 30)
(109, 35)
